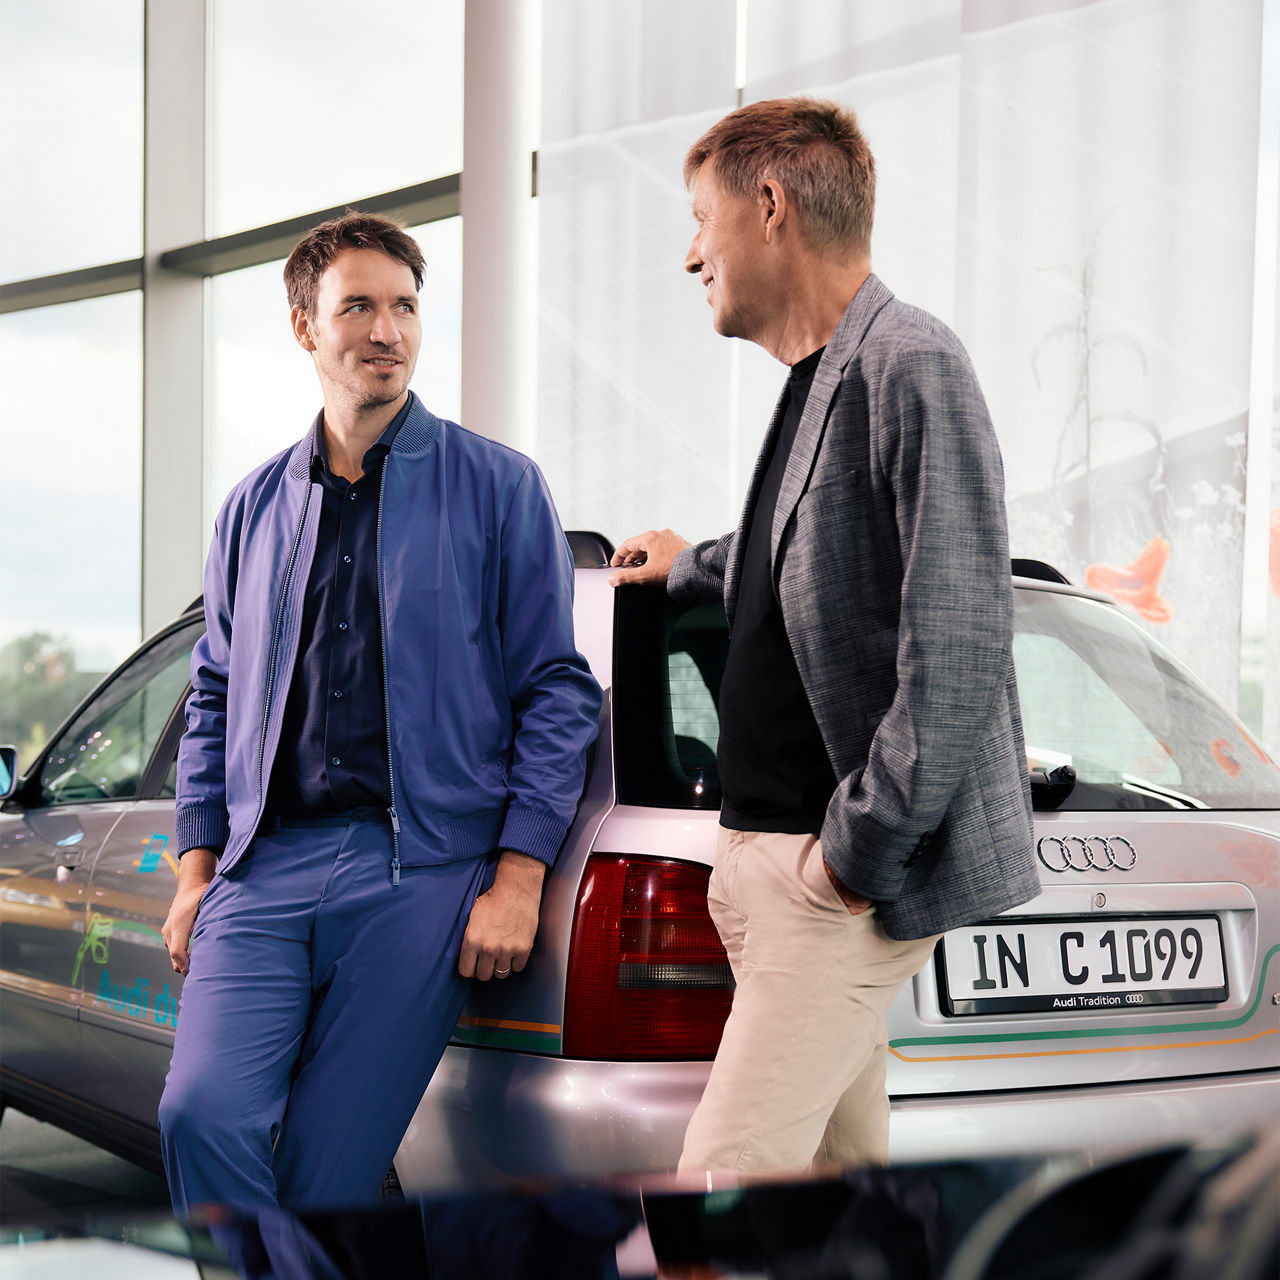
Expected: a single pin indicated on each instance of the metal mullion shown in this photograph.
(425, 202)
(71, 286)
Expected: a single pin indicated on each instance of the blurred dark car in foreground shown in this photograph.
(1208, 1211)
(1137, 1000)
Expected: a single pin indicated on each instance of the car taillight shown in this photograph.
(648, 977)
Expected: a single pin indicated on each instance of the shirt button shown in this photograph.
(352, 495)
(337, 693)
(336, 760)
(342, 626)
(346, 559)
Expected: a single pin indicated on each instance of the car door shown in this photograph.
(129, 990)
(54, 936)
(131, 1007)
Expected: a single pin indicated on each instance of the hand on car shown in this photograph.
(646, 557)
(856, 904)
(195, 872)
(504, 921)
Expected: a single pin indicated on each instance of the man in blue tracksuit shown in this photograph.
(386, 741)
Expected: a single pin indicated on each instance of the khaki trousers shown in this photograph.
(800, 1073)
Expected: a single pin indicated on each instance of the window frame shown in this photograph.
(644, 618)
(28, 794)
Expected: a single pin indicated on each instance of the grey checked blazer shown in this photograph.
(891, 564)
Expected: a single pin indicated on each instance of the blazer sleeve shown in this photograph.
(935, 451)
(697, 573)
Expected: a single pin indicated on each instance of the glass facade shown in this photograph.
(262, 387)
(70, 580)
(70, 135)
(312, 105)
(635, 391)
(1075, 188)
(1101, 149)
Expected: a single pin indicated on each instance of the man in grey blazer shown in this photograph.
(871, 752)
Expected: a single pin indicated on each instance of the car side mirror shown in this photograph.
(8, 771)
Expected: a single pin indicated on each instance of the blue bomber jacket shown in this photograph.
(490, 707)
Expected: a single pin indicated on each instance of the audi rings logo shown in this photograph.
(1086, 853)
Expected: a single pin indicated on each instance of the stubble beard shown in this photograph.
(379, 399)
(384, 393)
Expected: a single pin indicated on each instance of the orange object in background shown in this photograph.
(1258, 750)
(1224, 759)
(1137, 583)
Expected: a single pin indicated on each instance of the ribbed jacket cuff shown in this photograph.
(202, 827)
(534, 832)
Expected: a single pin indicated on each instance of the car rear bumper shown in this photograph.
(1090, 1119)
(1087, 1119)
(492, 1114)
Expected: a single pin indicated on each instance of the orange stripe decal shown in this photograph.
(1063, 1053)
(503, 1024)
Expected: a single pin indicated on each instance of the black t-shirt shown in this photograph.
(774, 771)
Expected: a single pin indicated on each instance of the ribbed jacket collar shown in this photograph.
(419, 433)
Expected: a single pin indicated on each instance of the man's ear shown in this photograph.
(301, 323)
(773, 207)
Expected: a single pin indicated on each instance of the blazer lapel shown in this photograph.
(846, 339)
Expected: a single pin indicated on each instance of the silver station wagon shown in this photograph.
(1137, 1000)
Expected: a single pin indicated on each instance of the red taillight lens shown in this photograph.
(648, 977)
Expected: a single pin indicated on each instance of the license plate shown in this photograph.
(1081, 965)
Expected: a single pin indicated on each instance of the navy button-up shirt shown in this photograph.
(333, 742)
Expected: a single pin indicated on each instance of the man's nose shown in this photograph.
(693, 259)
(385, 330)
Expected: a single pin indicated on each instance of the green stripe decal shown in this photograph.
(506, 1038)
(1142, 1029)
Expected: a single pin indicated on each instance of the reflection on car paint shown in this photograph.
(25, 899)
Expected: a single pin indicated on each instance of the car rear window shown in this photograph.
(667, 662)
(1140, 730)
(1097, 693)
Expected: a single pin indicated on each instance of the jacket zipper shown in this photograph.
(386, 689)
(275, 652)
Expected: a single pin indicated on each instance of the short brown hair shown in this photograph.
(814, 148)
(314, 253)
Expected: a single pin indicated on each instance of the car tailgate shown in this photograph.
(1165, 969)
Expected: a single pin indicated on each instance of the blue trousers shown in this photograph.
(319, 1000)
